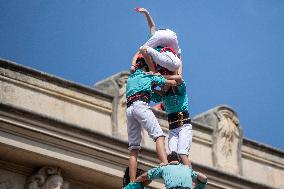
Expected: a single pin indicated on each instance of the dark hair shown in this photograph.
(126, 178)
(173, 156)
(140, 63)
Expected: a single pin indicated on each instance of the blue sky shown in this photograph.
(233, 51)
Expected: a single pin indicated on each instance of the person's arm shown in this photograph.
(150, 21)
(148, 59)
(180, 67)
(171, 82)
(142, 178)
(201, 178)
(177, 78)
(133, 62)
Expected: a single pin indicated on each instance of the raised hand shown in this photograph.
(141, 10)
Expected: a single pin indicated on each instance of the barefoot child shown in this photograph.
(139, 114)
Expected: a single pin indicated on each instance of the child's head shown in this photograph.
(173, 156)
(126, 178)
(140, 63)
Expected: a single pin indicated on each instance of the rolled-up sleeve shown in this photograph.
(155, 173)
(193, 175)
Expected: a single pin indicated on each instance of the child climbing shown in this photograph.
(162, 46)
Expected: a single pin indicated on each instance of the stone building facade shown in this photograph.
(59, 134)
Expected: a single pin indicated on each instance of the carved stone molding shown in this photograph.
(47, 178)
(116, 86)
(6, 185)
(227, 138)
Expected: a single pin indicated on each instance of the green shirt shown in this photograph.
(173, 102)
(173, 175)
(139, 81)
(134, 185)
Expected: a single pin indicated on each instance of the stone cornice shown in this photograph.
(102, 147)
(263, 147)
(224, 179)
(52, 79)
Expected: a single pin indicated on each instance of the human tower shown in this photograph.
(156, 75)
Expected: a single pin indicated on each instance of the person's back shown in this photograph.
(174, 175)
(141, 82)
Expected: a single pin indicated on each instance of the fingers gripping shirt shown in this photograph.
(139, 81)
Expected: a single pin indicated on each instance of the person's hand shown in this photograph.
(163, 164)
(132, 69)
(150, 73)
(141, 10)
(143, 50)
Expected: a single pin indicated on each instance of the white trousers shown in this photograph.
(164, 38)
(180, 139)
(140, 115)
(165, 59)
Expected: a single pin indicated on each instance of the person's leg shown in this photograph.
(133, 164)
(148, 59)
(165, 59)
(173, 140)
(161, 150)
(184, 143)
(149, 122)
(134, 140)
(163, 38)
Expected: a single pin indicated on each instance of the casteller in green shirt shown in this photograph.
(140, 81)
(134, 185)
(173, 174)
(173, 101)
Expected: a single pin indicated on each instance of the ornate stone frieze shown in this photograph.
(227, 137)
(47, 178)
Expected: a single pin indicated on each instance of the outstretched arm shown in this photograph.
(150, 21)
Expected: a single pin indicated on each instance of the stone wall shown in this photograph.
(74, 136)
